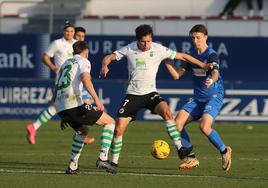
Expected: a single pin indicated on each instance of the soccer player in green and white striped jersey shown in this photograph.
(74, 74)
(61, 49)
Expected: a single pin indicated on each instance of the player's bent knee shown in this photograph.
(107, 119)
(167, 115)
(205, 130)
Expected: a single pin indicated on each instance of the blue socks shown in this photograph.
(185, 140)
(216, 140)
(213, 137)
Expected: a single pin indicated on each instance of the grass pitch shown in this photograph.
(43, 164)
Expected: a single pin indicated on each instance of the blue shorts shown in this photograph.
(197, 108)
(85, 94)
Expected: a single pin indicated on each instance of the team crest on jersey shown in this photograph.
(151, 54)
(121, 111)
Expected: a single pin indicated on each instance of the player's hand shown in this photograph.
(104, 71)
(63, 125)
(167, 61)
(208, 67)
(56, 70)
(209, 82)
(99, 105)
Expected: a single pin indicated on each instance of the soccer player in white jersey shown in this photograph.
(74, 74)
(63, 49)
(144, 58)
(60, 49)
(80, 34)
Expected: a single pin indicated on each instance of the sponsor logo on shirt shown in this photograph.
(140, 63)
(199, 72)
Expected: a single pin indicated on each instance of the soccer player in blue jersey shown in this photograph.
(207, 100)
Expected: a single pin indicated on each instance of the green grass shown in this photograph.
(43, 164)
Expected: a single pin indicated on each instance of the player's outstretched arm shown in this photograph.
(105, 62)
(86, 80)
(190, 59)
(176, 73)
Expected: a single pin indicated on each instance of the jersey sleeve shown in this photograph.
(167, 53)
(51, 49)
(214, 60)
(121, 53)
(85, 66)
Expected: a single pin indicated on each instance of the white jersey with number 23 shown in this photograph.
(69, 85)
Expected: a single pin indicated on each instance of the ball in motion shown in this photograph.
(160, 149)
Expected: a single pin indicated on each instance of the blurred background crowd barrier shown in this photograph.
(28, 27)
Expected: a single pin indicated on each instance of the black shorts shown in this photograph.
(133, 103)
(85, 114)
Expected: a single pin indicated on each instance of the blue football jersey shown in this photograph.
(201, 92)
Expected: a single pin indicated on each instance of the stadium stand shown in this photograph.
(101, 16)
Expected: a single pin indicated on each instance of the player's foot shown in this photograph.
(227, 159)
(114, 164)
(106, 166)
(189, 162)
(184, 152)
(70, 171)
(89, 140)
(31, 133)
(72, 168)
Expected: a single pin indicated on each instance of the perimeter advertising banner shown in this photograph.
(242, 59)
(243, 102)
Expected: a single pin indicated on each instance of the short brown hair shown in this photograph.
(143, 30)
(199, 28)
(79, 46)
(79, 29)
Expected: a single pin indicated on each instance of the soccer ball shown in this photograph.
(160, 149)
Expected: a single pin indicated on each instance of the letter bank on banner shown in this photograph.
(242, 103)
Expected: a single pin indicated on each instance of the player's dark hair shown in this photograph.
(199, 28)
(143, 30)
(67, 24)
(79, 46)
(80, 29)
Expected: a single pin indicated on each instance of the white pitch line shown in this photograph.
(130, 174)
(144, 156)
